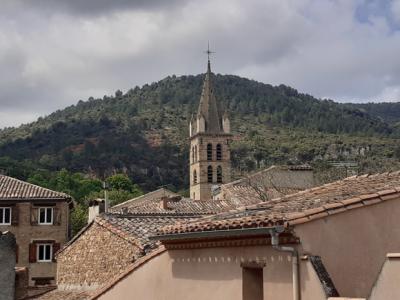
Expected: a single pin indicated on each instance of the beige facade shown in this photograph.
(387, 284)
(29, 234)
(354, 244)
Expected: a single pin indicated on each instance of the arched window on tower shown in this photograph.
(219, 152)
(209, 151)
(209, 174)
(193, 155)
(219, 174)
(194, 177)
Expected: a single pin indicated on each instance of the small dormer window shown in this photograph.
(5, 215)
(45, 215)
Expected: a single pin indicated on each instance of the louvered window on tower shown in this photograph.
(219, 152)
(194, 177)
(219, 174)
(210, 174)
(209, 152)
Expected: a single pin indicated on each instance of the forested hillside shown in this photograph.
(144, 132)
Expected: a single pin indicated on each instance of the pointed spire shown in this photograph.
(208, 107)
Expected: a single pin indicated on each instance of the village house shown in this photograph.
(323, 242)
(39, 220)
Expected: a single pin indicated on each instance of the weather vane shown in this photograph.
(208, 51)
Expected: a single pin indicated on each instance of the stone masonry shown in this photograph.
(94, 258)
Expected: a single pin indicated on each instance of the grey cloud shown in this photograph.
(53, 53)
(89, 7)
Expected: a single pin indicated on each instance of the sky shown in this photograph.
(55, 53)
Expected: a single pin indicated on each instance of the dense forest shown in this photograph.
(144, 132)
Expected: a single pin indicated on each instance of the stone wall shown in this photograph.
(94, 258)
(7, 265)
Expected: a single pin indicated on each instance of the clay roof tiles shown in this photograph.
(14, 189)
(303, 206)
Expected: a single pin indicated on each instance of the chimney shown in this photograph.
(96, 207)
(165, 200)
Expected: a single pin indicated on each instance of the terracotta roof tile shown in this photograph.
(336, 197)
(14, 189)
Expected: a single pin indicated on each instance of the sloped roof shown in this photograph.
(63, 295)
(164, 202)
(304, 206)
(14, 189)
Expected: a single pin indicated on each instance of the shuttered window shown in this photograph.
(43, 251)
(5, 215)
(45, 215)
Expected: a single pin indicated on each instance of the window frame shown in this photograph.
(46, 208)
(3, 215)
(218, 151)
(219, 174)
(209, 152)
(38, 245)
(210, 174)
(194, 177)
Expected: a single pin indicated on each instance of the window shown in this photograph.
(253, 285)
(219, 174)
(194, 177)
(219, 152)
(192, 154)
(5, 215)
(195, 153)
(209, 152)
(210, 174)
(45, 215)
(44, 252)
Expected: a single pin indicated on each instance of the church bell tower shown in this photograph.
(210, 158)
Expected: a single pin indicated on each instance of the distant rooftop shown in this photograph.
(14, 189)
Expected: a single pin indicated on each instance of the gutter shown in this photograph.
(295, 261)
(215, 234)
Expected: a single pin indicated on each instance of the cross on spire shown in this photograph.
(209, 52)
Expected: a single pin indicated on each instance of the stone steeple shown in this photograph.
(210, 160)
(208, 107)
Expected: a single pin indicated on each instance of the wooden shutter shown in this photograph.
(14, 215)
(56, 216)
(34, 215)
(32, 252)
(56, 247)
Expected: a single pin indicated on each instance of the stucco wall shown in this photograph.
(25, 233)
(94, 258)
(7, 265)
(387, 285)
(210, 273)
(353, 244)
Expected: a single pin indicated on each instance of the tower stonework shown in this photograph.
(210, 155)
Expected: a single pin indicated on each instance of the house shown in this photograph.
(322, 242)
(39, 219)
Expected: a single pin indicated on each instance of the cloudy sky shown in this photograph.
(54, 53)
